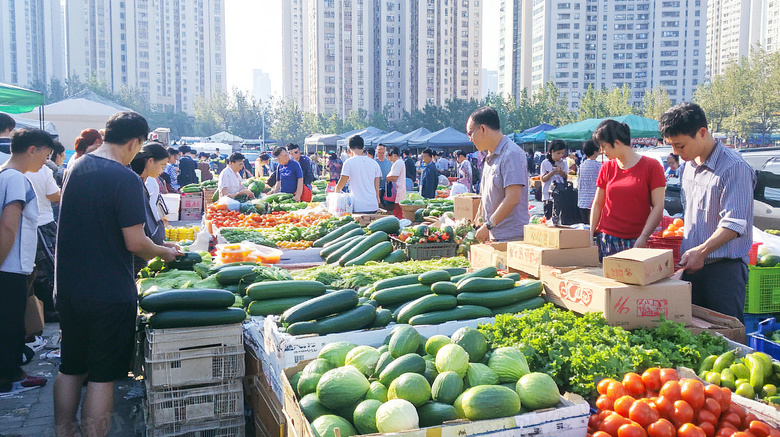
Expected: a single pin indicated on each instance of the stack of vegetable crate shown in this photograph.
(191, 203)
(193, 381)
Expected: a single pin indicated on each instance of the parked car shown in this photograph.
(672, 198)
(758, 156)
(766, 197)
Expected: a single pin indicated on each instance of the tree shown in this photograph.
(617, 102)
(592, 104)
(655, 102)
(287, 125)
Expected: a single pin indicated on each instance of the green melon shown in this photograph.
(412, 387)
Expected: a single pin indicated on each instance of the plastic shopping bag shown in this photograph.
(339, 203)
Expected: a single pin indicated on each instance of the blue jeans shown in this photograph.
(409, 186)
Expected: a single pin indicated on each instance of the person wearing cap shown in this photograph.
(187, 166)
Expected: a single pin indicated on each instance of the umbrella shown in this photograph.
(641, 127)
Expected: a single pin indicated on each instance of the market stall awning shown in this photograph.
(444, 138)
(369, 132)
(382, 139)
(321, 140)
(15, 100)
(225, 137)
(403, 140)
(641, 127)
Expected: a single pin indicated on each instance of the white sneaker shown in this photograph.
(38, 344)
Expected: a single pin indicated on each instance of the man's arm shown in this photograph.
(342, 183)
(54, 198)
(9, 227)
(139, 244)
(512, 195)
(693, 259)
(376, 189)
(298, 190)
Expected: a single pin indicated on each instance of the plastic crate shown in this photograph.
(233, 427)
(763, 290)
(657, 242)
(187, 405)
(759, 342)
(184, 339)
(426, 251)
(753, 254)
(752, 320)
(205, 365)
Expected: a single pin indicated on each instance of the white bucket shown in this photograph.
(172, 204)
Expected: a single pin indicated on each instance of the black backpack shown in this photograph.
(475, 176)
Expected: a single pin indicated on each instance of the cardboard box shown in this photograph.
(639, 266)
(191, 201)
(266, 408)
(529, 258)
(365, 219)
(568, 419)
(707, 320)
(208, 194)
(466, 207)
(628, 306)
(190, 214)
(409, 210)
(556, 237)
(252, 364)
(485, 255)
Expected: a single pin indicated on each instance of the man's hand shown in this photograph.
(482, 234)
(693, 259)
(169, 254)
(641, 241)
(248, 193)
(297, 198)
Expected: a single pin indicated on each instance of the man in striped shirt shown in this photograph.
(718, 186)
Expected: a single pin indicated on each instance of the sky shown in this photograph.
(254, 40)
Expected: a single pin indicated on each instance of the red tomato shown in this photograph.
(623, 405)
(683, 413)
(712, 405)
(706, 416)
(690, 430)
(594, 421)
(665, 407)
(723, 424)
(725, 402)
(669, 375)
(759, 428)
(748, 419)
(604, 403)
(725, 432)
(631, 430)
(671, 390)
(600, 434)
(652, 379)
(743, 434)
(661, 428)
(615, 390)
(708, 428)
(738, 410)
(642, 413)
(611, 424)
(633, 384)
(732, 418)
(692, 391)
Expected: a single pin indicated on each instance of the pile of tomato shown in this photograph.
(659, 403)
(220, 216)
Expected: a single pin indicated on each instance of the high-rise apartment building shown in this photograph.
(380, 55)
(733, 27)
(171, 50)
(581, 43)
(261, 82)
(32, 51)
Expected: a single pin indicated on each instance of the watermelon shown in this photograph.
(472, 341)
(537, 390)
(412, 387)
(325, 426)
(447, 387)
(364, 416)
(341, 387)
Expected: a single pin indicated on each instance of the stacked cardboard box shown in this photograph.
(466, 207)
(191, 206)
(551, 246)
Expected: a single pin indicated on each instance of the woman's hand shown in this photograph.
(641, 241)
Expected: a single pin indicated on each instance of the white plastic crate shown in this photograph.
(181, 339)
(197, 404)
(206, 365)
(232, 427)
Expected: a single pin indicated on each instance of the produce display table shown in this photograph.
(300, 259)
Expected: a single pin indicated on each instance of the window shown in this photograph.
(641, 65)
(670, 53)
(641, 45)
(563, 46)
(670, 43)
(564, 16)
(672, 63)
(564, 26)
(561, 75)
(668, 82)
(642, 16)
(562, 65)
(670, 14)
(563, 55)
(670, 24)
(564, 5)
(564, 35)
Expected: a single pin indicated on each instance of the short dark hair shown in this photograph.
(203, 155)
(58, 148)
(405, 152)
(173, 151)
(265, 157)
(461, 153)
(675, 157)
(6, 122)
(589, 148)
(291, 146)
(486, 116)
(355, 142)
(610, 131)
(152, 149)
(392, 150)
(370, 151)
(23, 139)
(236, 157)
(429, 152)
(278, 150)
(185, 149)
(126, 126)
(685, 118)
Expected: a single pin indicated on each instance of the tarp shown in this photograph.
(403, 140)
(447, 137)
(15, 100)
(544, 127)
(641, 127)
(382, 139)
(367, 133)
(28, 123)
(225, 137)
(321, 140)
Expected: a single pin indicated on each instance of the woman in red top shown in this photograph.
(629, 199)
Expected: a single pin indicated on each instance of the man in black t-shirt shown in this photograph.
(187, 166)
(411, 170)
(102, 216)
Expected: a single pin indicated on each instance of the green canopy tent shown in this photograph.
(15, 100)
(641, 127)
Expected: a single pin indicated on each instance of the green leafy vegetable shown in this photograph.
(371, 272)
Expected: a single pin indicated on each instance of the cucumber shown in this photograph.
(431, 277)
(484, 272)
(274, 306)
(187, 299)
(363, 246)
(485, 284)
(397, 310)
(235, 264)
(277, 289)
(390, 225)
(326, 251)
(351, 320)
(373, 303)
(375, 253)
(518, 307)
(321, 306)
(336, 233)
(461, 312)
(493, 299)
(383, 318)
(515, 276)
(455, 271)
(235, 289)
(193, 318)
(404, 293)
(246, 301)
(396, 256)
(427, 304)
(349, 234)
(336, 255)
(397, 282)
(234, 275)
(445, 287)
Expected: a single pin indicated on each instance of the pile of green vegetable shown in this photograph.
(579, 351)
(191, 307)
(238, 235)
(351, 245)
(414, 382)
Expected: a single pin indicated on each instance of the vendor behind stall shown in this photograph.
(289, 175)
(229, 179)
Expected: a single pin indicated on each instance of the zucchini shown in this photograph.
(493, 299)
(484, 272)
(234, 275)
(397, 281)
(235, 264)
(427, 304)
(336, 255)
(351, 320)
(396, 256)
(193, 318)
(232, 288)
(485, 284)
(373, 303)
(515, 276)
(404, 293)
(383, 318)
(390, 225)
(336, 233)
(461, 312)
(184, 262)
(326, 251)
(349, 234)
(321, 306)
(397, 310)
(434, 276)
(455, 271)
(246, 301)
(187, 299)
(363, 246)
(518, 307)
(445, 287)
(375, 253)
(274, 306)
(277, 289)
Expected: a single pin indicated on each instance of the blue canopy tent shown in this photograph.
(383, 139)
(369, 132)
(402, 142)
(444, 138)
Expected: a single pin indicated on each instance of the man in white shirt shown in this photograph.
(397, 178)
(363, 174)
(7, 125)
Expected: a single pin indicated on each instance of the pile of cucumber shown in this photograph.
(191, 307)
(351, 245)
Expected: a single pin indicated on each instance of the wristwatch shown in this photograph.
(488, 225)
